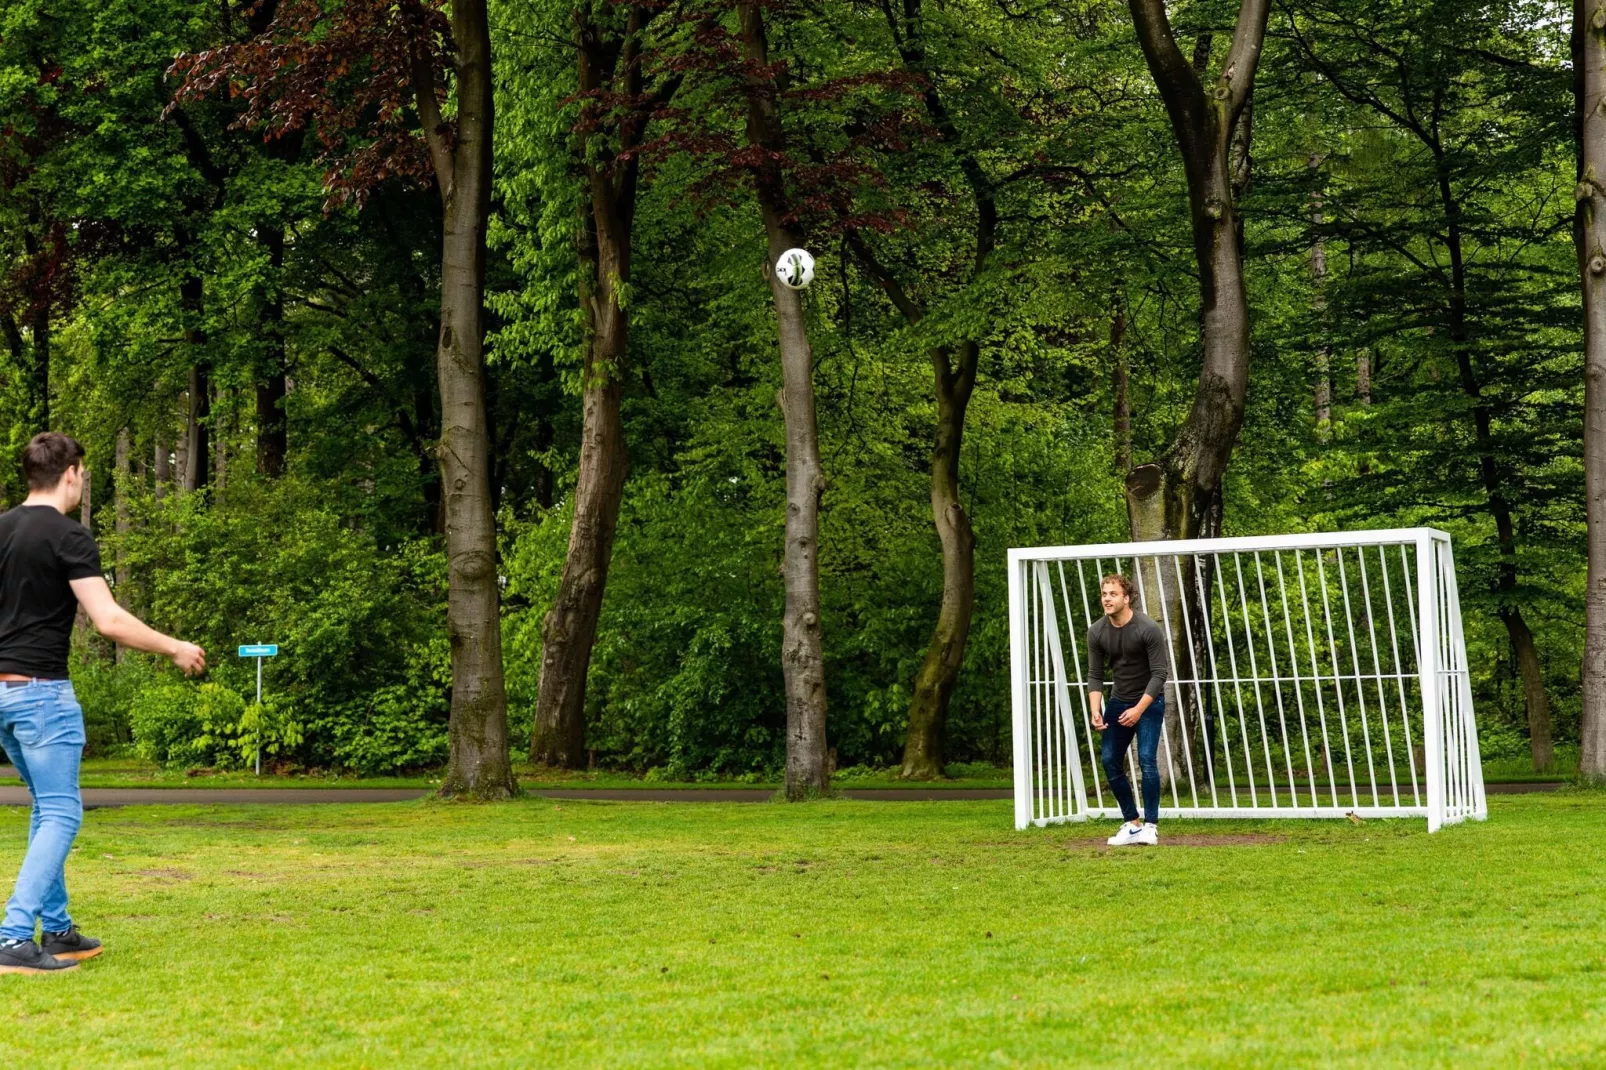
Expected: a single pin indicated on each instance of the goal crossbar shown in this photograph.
(1315, 676)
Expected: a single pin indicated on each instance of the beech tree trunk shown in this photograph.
(1120, 377)
(1180, 498)
(161, 467)
(197, 428)
(1589, 230)
(123, 484)
(954, 369)
(808, 771)
(39, 370)
(272, 429)
(1318, 307)
(478, 764)
(198, 411)
(570, 629)
(939, 670)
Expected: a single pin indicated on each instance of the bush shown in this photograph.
(362, 673)
(184, 723)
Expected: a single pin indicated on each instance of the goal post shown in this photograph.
(1310, 676)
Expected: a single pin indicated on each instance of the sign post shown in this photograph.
(259, 651)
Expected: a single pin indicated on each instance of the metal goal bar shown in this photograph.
(1310, 676)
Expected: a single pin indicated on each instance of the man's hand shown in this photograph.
(1135, 712)
(190, 659)
(1095, 708)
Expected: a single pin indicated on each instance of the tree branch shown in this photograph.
(429, 117)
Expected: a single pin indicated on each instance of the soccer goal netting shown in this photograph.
(1310, 676)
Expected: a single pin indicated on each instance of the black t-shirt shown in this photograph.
(40, 551)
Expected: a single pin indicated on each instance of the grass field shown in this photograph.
(836, 933)
(139, 773)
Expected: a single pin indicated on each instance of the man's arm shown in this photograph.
(121, 626)
(1159, 662)
(1095, 677)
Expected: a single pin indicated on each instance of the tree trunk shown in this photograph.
(272, 430)
(570, 630)
(1179, 496)
(938, 674)
(1589, 230)
(197, 418)
(478, 765)
(1215, 158)
(1533, 689)
(802, 651)
(222, 406)
(939, 671)
(1506, 586)
(1318, 307)
(39, 370)
(122, 487)
(197, 430)
(161, 466)
(1119, 384)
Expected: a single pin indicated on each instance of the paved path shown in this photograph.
(96, 797)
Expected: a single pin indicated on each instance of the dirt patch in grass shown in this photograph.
(1221, 839)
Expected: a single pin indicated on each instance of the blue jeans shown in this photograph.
(42, 731)
(1117, 738)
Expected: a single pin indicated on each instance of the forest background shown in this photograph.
(239, 317)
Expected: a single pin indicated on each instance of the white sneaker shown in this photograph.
(1127, 836)
(1148, 836)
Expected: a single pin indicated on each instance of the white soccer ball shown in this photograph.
(795, 268)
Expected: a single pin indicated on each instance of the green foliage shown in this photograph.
(189, 724)
(360, 682)
(1384, 138)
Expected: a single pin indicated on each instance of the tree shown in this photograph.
(1443, 86)
(620, 99)
(954, 368)
(1179, 495)
(1589, 231)
(808, 770)
(395, 66)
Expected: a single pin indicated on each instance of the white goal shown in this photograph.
(1311, 676)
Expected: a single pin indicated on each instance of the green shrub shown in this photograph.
(363, 667)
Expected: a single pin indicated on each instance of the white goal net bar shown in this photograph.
(1310, 676)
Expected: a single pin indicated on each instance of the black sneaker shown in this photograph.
(25, 956)
(71, 944)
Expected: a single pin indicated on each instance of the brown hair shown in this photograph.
(1116, 577)
(47, 456)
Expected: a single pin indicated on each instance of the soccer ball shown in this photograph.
(795, 268)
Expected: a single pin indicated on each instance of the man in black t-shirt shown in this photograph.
(49, 566)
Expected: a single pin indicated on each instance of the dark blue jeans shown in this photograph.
(1117, 738)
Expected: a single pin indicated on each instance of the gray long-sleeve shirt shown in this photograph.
(1135, 653)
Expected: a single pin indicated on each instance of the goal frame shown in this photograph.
(1055, 746)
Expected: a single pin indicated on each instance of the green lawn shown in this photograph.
(140, 773)
(544, 933)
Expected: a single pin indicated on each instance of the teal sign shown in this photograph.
(260, 650)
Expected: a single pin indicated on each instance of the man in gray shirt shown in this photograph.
(1133, 647)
